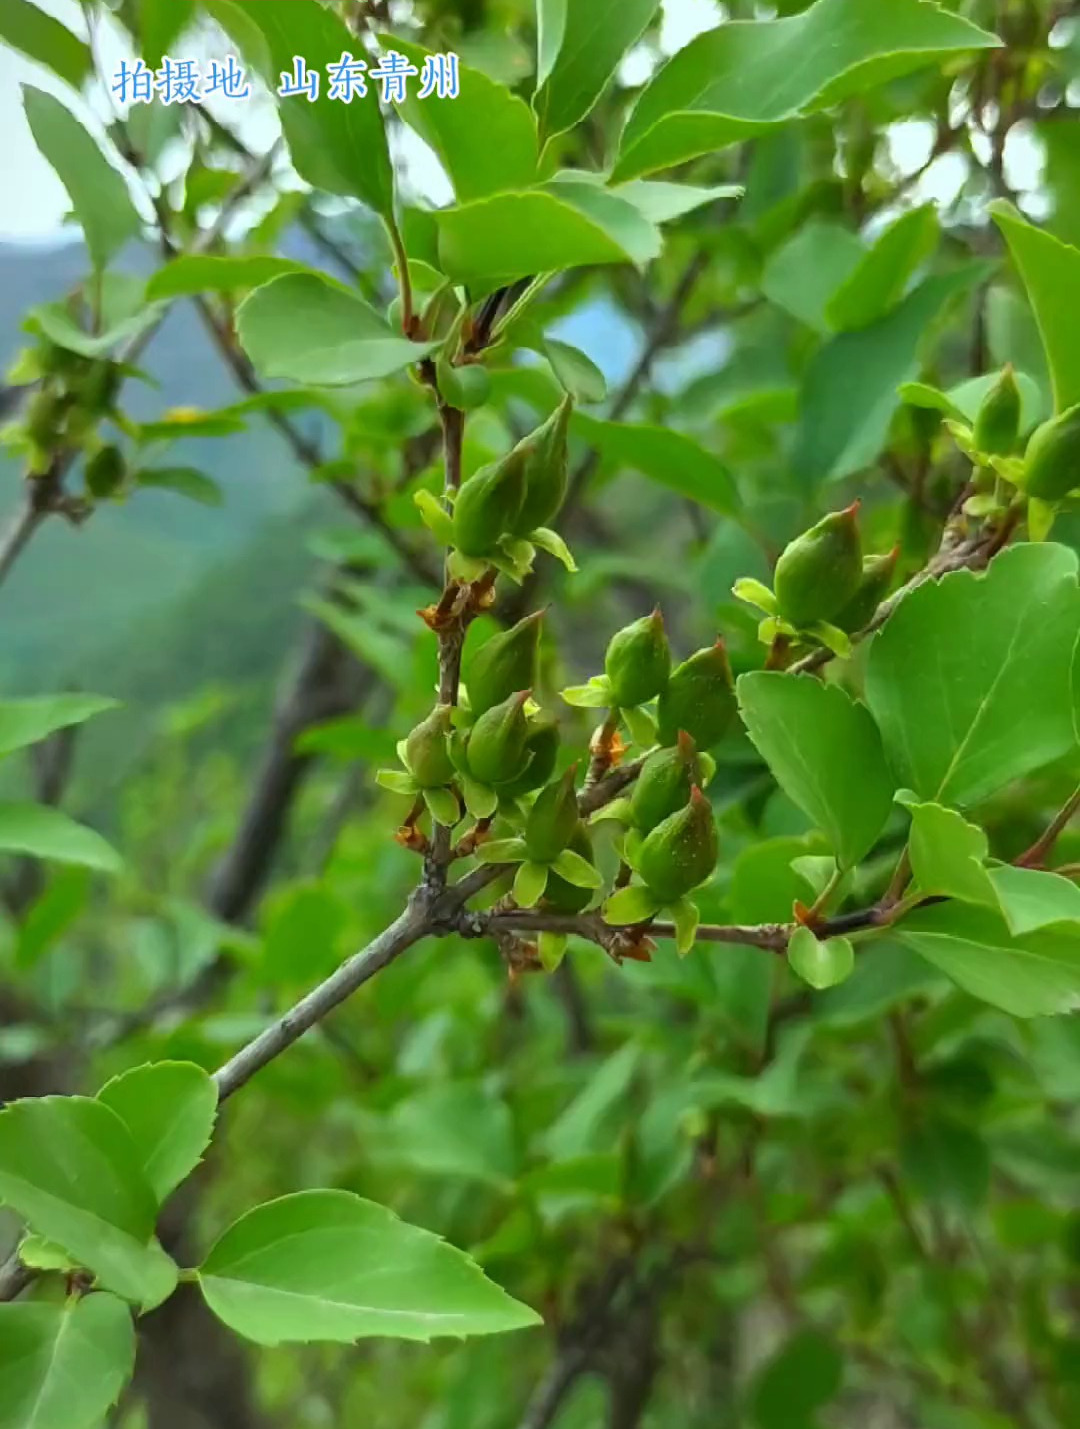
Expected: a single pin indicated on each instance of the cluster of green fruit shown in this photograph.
(823, 586)
(495, 757)
(501, 514)
(75, 393)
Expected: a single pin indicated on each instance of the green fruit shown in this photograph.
(44, 418)
(98, 390)
(546, 456)
(638, 662)
(553, 819)
(1052, 461)
(487, 506)
(427, 750)
(541, 751)
(820, 571)
(997, 426)
(498, 740)
(681, 853)
(464, 387)
(564, 897)
(105, 472)
(664, 784)
(877, 577)
(700, 699)
(507, 662)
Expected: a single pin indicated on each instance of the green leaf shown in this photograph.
(51, 914)
(160, 24)
(825, 753)
(585, 1126)
(97, 191)
(628, 906)
(494, 241)
(63, 1366)
(740, 79)
(686, 916)
(948, 855)
(849, 392)
(970, 679)
(529, 883)
(169, 1109)
(460, 130)
(580, 47)
(397, 781)
(480, 800)
(42, 832)
(662, 202)
(307, 330)
(551, 948)
(948, 1163)
(326, 1265)
(502, 851)
(551, 542)
(578, 374)
(339, 148)
(803, 275)
(877, 284)
(1031, 899)
(41, 1254)
(201, 273)
(69, 1167)
(443, 807)
(455, 1129)
(665, 455)
(804, 1374)
(1050, 271)
(577, 870)
(39, 37)
(185, 481)
(822, 963)
(54, 320)
(24, 722)
(1033, 976)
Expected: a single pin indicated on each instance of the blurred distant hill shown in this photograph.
(78, 591)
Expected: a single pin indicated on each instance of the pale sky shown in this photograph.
(37, 202)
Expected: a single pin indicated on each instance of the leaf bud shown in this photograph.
(505, 663)
(638, 662)
(699, 699)
(553, 819)
(546, 456)
(487, 506)
(680, 853)
(664, 784)
(997, 425)
(877, 577)
(1052, 460)
(820, 570)
(497, 742)
(105, 472)
(427, 750)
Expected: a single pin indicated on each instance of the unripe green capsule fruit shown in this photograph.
(507, 662)
(487, 506)
(564, 897)
(553, 819)
(664, 784)
(820, 571)
(877, 577)
(700, 699)
(542, 752)
(1052, 461)
(680, 854)
(997, 426)
(546, 456)
(497, 742)
(638, 662)
(427, 750)
(105, 472)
